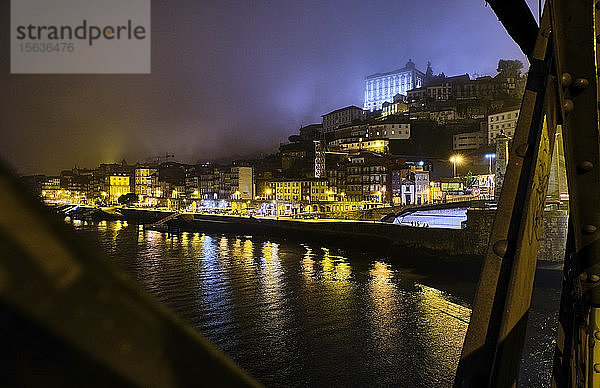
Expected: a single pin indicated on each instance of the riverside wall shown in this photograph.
(470, 241)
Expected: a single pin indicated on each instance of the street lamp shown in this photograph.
(455, 159)
(490, 157)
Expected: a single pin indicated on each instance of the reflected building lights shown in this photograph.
(385, 300)
(442, 328)
(307, 264)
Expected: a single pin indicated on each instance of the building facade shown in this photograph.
(117, 185)
(342, 117)
(468, 141)
(503, 123)
(382, 87)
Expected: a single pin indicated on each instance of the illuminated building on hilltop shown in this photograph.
(382, 87)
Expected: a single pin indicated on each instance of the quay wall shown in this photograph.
(471, 241)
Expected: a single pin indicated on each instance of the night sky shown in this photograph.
(236, 77)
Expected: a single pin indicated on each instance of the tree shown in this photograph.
(509, 66)
(469, 180)
(128, 199)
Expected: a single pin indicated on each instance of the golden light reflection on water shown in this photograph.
(248, 251)
(236, 249)
(335, 267)
(307, 264)
(299, 302)
(385, 300)
(271, 280)
(443, 326)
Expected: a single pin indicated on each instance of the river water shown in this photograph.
(296, 314)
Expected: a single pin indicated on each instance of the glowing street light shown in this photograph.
(455, 159)
(490, 157)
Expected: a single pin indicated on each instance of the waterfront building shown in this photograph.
(446, 190)
(382, 87)
(141, 174)
(504, 123)
(367, 178)
(51, 188)
(242, 182)
(117, 185)
(341, 117)
(302, 190)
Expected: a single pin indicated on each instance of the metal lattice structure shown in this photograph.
(561, 91)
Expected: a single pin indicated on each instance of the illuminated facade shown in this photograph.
(393, 108)
(296, 190)
(117, 185)
(503, 123)
(382, 87)
(141, 175)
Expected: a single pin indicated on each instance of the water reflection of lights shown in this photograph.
(435, 301)
(385, 300)
(271, 279)
(223, 247)
(442, 328)
(248, 251)
(335, 267)
(308, 264)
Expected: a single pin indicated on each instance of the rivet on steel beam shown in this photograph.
(597, 334)
(523, 150)
(597, 368)
(585, 166)
(500, 248)
(589, 229)
(566, 80)
(568, 106)
(594, 278)
(581, 84)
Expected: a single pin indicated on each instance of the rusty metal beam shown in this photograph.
(575, 26)
(519, 22)
(493, 344)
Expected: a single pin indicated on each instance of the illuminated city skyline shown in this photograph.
(223, 71)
